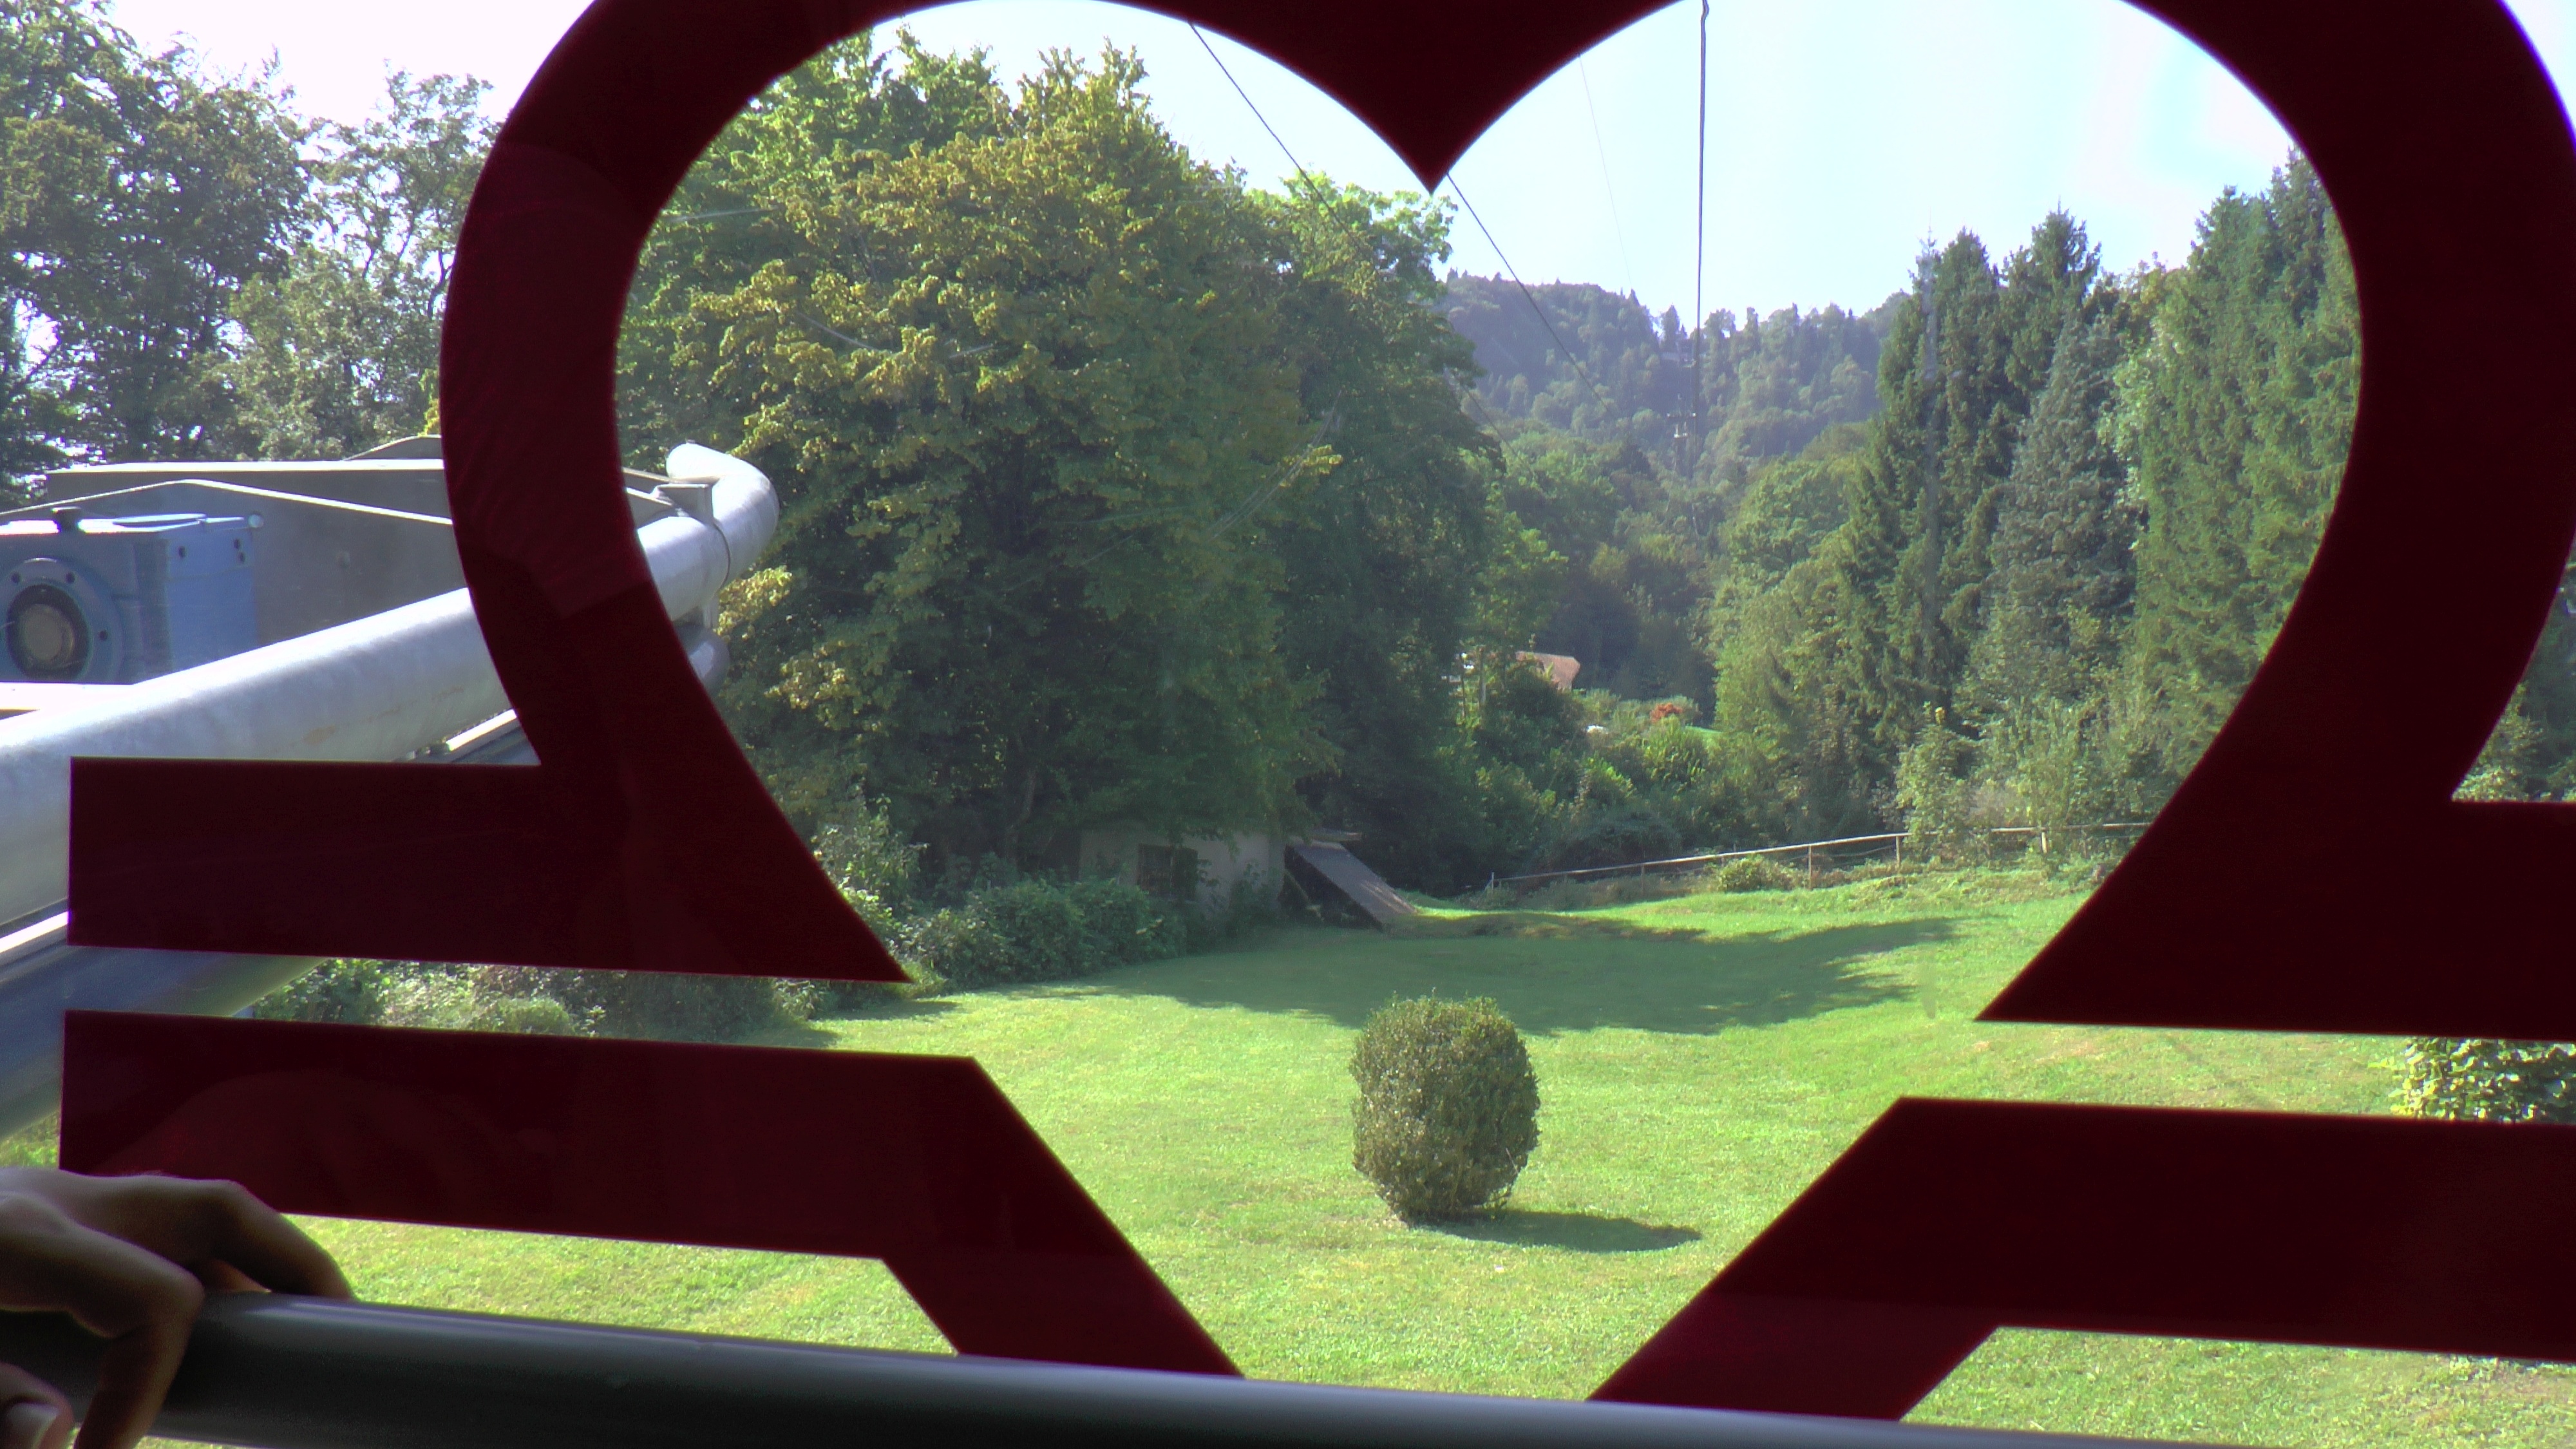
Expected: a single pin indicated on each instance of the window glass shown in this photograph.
(1669, 619)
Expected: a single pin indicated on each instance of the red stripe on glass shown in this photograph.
(920, 1161)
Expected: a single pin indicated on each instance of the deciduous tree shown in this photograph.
(339, 347)
(137, 197)
(1026, 395)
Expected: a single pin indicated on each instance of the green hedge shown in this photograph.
(996, 934)
(2480, 1079)
(657, 1005)
(1754, 873)
(1036, 930)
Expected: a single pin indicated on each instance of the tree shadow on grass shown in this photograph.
(1572, 975)
(1575, 1232)
(893, 1008)
(819, 1033)
(791, 1034)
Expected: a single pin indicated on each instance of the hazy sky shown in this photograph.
(1842, 133)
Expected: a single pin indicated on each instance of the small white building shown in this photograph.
(1201, 869)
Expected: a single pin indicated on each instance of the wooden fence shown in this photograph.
(1891, 844)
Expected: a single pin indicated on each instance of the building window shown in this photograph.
(1169, 872)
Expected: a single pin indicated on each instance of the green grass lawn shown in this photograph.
(1700, 1060)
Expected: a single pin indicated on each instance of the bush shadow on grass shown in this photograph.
(1556, 974)
(1575, 1232)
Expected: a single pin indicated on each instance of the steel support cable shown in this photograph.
(1601, 150)
(1526, 294)
(1699, 249)
(1228, 73)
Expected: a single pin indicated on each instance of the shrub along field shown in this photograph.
(1699, 1058)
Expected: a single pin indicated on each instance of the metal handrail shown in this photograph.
(42, 975)
(279, 1372)
(382, 687)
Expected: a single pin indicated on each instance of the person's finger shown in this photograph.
(241, 1231)
(224, 1278)
(34, 1424)
(195, 1223)
(141, 1303)
(133, 1377)
(35, 1416)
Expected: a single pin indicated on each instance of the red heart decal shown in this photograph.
(2311, 874)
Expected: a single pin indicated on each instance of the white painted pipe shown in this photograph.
(377, 688)
(737, 511)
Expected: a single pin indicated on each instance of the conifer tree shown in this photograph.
(2058, 607)
(1795, 693)
(2235, 418)
(1862, 668)
(1938, 452)
(2052, 282)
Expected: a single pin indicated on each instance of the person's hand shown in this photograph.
(131, 1259)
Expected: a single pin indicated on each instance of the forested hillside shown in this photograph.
(2034, 590)
(1771, 385)
(1628, 486)
(1120, 492)
(2021, 578)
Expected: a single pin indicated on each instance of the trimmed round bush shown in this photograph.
(1754, 873)
(1448, 1108)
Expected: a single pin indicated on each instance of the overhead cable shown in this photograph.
(1699, 245)
(1532, 298)
(1247, 101)
(1618, 230)
(1610, 408)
